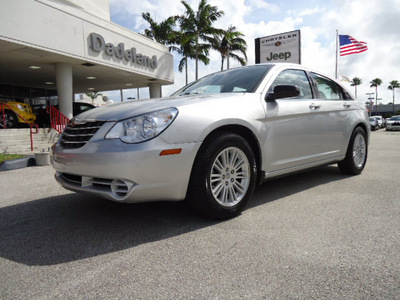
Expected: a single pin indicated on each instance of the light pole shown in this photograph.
(376, 106)
(370, 98)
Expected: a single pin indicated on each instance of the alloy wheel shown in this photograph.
(230, 176)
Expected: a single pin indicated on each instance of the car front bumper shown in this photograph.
(392, 127)
(23, 116)
(125, 172)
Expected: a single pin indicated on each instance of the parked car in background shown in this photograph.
(374, 123)
(393, 123)
(43, 118)
(214, 140)
(381, 121)
(15, 113)
(80, 107)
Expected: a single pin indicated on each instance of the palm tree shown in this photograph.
(394, 84)
(163, 32)
(231, 41)
(187, 51)
(197, 28)
(375, 83)
(354, 82)
(93, 95)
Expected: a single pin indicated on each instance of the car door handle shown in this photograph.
(315, 106)
(346, 105)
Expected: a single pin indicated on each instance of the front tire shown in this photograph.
(223, 177)
(11, 120)
(357, 152)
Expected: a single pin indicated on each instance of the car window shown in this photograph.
(294, 77)
(347, 96)
(328, 89)
(241, 80)
(83, 108)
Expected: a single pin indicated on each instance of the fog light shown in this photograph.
(120, 188)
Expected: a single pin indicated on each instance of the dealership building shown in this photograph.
(51, 50)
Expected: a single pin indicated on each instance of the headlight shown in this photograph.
(144, 127)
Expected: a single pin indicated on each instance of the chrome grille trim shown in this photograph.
(78, 135)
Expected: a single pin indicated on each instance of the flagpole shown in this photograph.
(337, 50)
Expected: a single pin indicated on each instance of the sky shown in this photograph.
(375, 22)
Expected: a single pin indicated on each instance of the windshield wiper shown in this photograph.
(189, 93)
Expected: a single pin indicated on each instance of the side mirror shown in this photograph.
(283, 91)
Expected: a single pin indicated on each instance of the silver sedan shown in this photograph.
(214, 140)
(393, 123)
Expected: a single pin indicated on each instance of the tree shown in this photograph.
(394, 84)
(196, 27)
(354, 82)
(187, 51)
(163, 32)
(231, 42)
(375, 83)
(93, 95)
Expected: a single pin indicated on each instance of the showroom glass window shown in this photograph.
(294, 77)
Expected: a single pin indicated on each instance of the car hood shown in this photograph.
(125, 110)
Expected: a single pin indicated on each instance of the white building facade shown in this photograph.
(66, 47)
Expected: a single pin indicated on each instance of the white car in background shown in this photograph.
(214, 140)
(381, 121)
(393, 123)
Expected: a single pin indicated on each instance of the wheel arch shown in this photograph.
(364, 127)
(245, 133)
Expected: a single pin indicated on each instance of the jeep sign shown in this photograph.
(284, 47)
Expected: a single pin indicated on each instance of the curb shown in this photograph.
(18, 163)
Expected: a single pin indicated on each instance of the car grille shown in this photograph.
(78, 135)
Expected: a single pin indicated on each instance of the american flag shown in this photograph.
(349, 45)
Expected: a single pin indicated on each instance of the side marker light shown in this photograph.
(170, 152)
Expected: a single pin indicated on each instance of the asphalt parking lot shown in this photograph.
(315, 235)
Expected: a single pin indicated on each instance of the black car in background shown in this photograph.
(43, 118)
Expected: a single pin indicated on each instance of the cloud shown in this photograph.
(307, 11)
(255, 5)
(375, 22)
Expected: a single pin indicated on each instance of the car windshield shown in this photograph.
(241, 80)
(395, 119)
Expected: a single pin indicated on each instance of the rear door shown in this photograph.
(301, 130)
(337, 106)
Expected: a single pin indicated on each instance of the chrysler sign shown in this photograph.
(98, 44)
(284, 47)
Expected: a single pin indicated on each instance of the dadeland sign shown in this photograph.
(284, 47)
(98, 44)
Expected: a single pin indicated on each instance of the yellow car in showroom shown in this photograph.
(12, 113)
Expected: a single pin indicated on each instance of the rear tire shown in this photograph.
(223, 177)
(357, 152)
